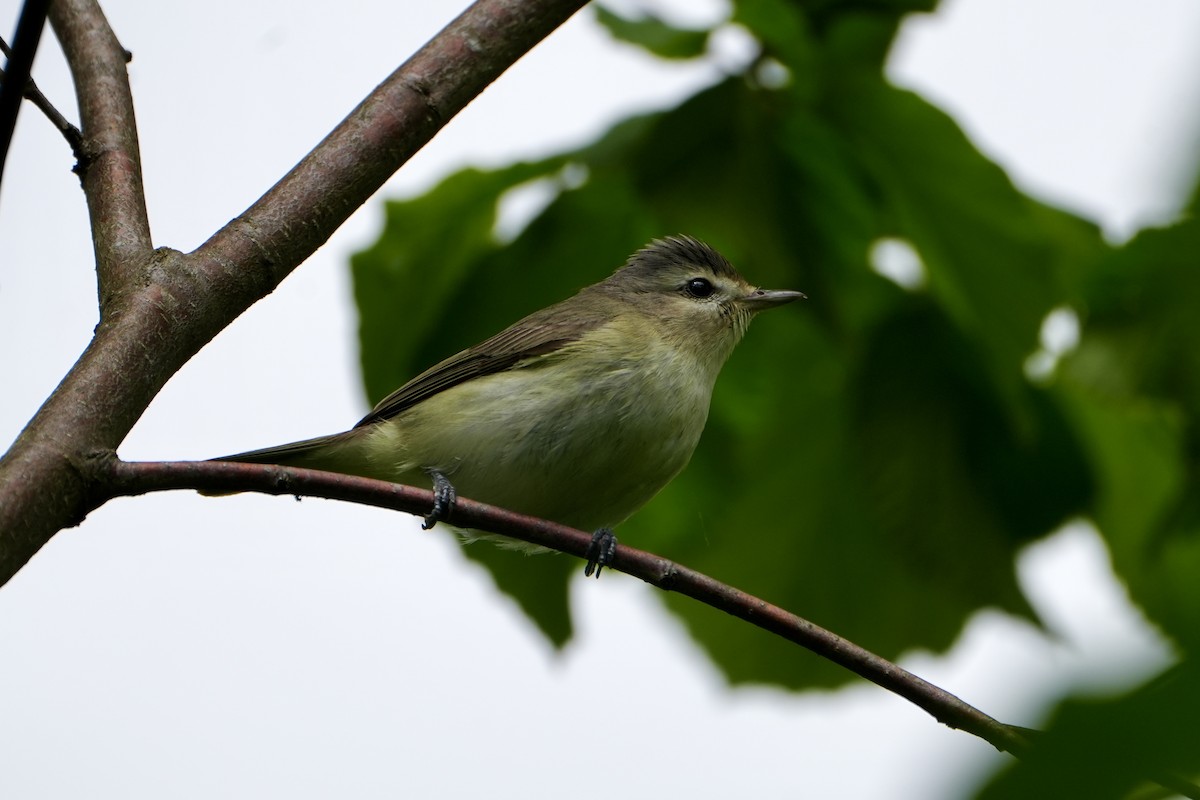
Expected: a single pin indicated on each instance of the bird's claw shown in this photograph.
(444, 497)
(600, 552)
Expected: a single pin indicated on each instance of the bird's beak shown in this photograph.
(761, 299)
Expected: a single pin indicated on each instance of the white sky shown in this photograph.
(178, 646)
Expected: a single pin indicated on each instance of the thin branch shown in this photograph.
(121, 478)
(18, 68)
(111, 169)
(34, 95)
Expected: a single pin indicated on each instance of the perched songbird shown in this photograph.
(578, 413)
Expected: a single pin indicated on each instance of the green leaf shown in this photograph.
(813, 36)
(995, 258)
(1134, 384)
(538, 585)
(653, 34)
(1106, 748)
(783, 30)
(884, 501)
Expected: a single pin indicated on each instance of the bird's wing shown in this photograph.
(539, 334)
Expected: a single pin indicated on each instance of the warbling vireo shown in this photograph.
(579, 413)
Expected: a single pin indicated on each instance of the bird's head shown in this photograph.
(696, 298)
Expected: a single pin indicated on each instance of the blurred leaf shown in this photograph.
(1135, 383)
(906, 490)
(654, 35)
(921, 390)
(539, 585)
(783, 30)
(1140, 304)
(1106, 748)
(839, 8)
(813, 35)
(948, 201)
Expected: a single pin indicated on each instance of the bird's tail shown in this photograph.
(297, 454)
(320, 453)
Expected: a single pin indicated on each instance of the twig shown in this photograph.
(34, 95)
(20, 62)
(122, 478)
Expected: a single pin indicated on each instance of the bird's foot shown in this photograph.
(600, 552)
(444, 497)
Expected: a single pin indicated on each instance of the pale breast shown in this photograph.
(580, 440)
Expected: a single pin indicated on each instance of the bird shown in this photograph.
(579, 413)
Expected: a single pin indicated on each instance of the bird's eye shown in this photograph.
(699, 287)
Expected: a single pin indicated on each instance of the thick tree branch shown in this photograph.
(170, 305)
(117, 478)
(111, 169)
